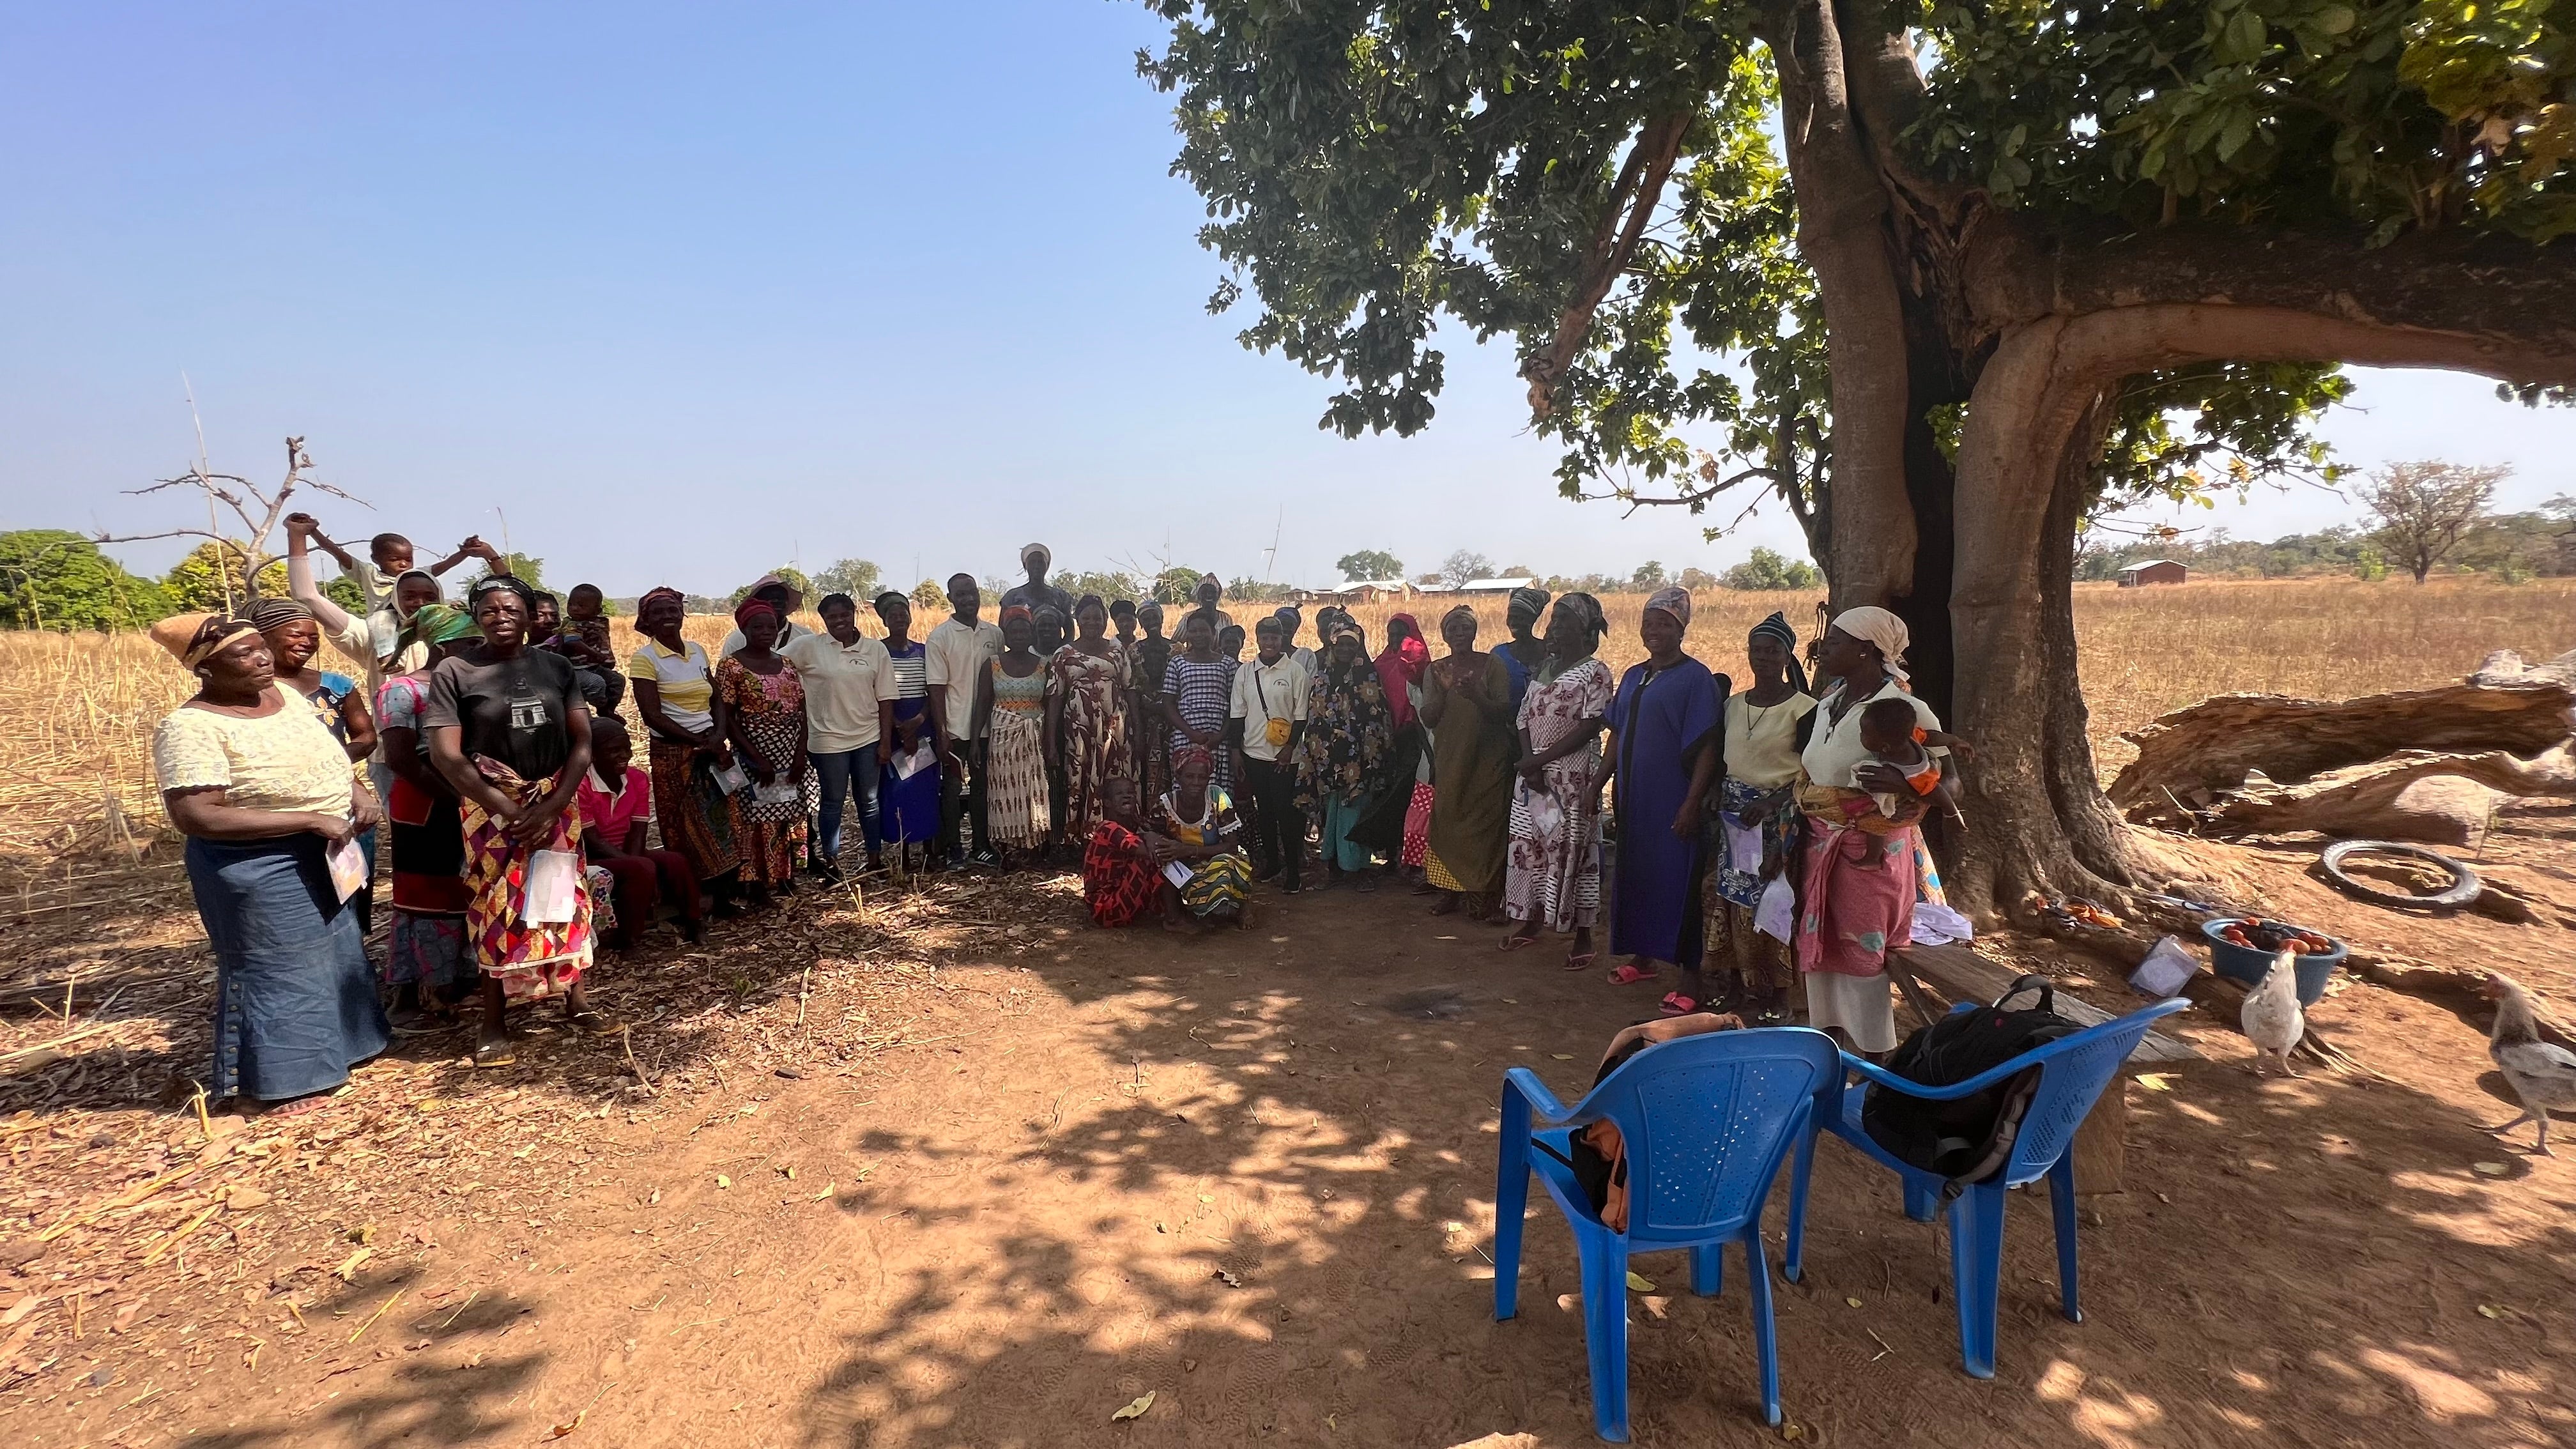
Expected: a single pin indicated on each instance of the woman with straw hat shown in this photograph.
(266, 798)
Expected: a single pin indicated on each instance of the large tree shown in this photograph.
(1961, 305)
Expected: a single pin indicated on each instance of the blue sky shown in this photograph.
(687, 291)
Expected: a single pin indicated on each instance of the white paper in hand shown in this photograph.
(779, 793)
(1777, 911)
(1177, 872)
(551, 888)
(1544, 813)
(732, 780)
(348, 867)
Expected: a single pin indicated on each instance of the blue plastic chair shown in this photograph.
(2074, 1070)
(1707, 1120)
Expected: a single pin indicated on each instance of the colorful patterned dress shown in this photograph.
(1219, 881)
(1119, 880)
(532, 962)
(1015, 757)
(770, 709)
(1345, 756)
(1554, 870)
(1091, 733)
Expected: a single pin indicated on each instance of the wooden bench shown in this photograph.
(1957, 973)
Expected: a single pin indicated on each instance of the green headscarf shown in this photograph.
(435, 624)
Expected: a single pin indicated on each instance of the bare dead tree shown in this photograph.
(258, 511)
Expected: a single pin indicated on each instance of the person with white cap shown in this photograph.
(1037, 593)
(1858, 876)
(779, 595)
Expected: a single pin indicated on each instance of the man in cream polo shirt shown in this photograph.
(956, 653)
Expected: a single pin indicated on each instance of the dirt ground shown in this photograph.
(961, 1171)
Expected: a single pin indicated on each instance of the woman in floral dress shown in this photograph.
(1348, 748)
(1086, 729)
(1554, 874)
(765, 709)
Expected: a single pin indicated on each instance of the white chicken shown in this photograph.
(2271, 1018)
(2542, 1075)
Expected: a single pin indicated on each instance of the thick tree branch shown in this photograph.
(1633, 198)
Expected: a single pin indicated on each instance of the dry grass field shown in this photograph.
(76, 793)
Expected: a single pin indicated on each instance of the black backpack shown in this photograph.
(1970, 1139)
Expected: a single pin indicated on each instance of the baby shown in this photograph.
(1892, 735)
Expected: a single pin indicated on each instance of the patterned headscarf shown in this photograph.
(650, 595)
(1881, 630)
(1187, 754)
(1018, 611)
(269, 614)
(1401, 663)
(1588, 609)
(436, 624)
(192, 639)
(1673, 601)
(1776, 628)
(750, 609)
(1525, 606)
(506, 583)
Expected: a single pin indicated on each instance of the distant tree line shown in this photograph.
(2425, 518)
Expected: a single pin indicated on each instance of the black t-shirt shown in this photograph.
(511, 710)
(1043, 596)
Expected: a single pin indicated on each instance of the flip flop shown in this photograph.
(1514, 943)
(1629, 975)
(1677, 1004)
(496, 1054)
(1582, 962)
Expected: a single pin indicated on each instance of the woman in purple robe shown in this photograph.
(1664, 748)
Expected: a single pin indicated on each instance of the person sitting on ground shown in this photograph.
(264, 793)
(1121, 879)
(1194, 827)
(1891, 735)
(616, 824)
(389, 557)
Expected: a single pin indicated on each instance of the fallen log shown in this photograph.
(2186, 757)
(2428, 795)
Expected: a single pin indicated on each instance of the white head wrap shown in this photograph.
(1876, 626)
(1038, 550)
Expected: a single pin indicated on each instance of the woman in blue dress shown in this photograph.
(908, 794)
(1664, 751)
(1524, 652)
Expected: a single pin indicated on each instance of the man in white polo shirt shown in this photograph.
(1269, 717)
(849, 703)
(956, 653)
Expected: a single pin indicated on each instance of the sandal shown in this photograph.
(496, 1053)
(1630, 975)
(590, 1019)
(1582, 962)
(1514, 943)
(1677, 1004)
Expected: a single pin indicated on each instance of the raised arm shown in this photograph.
(300, 587)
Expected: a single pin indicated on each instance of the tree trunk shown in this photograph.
(1843, 234)
(2041, 823)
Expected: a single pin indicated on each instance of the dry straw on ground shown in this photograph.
(76, 796)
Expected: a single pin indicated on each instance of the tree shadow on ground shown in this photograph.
(1267, 1199)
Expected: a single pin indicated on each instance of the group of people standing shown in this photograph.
(1773, 828)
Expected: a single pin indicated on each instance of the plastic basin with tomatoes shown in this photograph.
(2242, 950)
